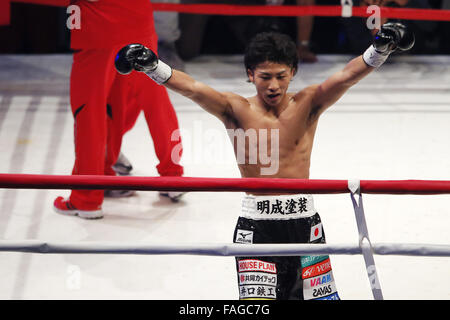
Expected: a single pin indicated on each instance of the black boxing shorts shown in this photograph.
(282, 219)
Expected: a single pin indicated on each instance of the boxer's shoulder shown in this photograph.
(305, 95)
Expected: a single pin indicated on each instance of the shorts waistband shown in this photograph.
(281, 207)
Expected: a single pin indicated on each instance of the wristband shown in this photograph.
(161, 74)
(373, 58)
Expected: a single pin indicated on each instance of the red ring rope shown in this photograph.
(31, 181)
(266, 10)
(292, 11)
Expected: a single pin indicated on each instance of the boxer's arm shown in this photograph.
(391, 37)
(139, 58)
(215, 102)
(328, 92)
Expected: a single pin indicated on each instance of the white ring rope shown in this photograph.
(220, 249)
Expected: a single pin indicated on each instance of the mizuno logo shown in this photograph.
(244, 236)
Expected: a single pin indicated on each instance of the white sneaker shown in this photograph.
(123, 165)
(119, 193)
(64, 207)
(174, 196)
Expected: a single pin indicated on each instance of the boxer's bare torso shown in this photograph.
(293, 115)
(295, 128)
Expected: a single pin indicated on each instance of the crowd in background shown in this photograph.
(41, 29)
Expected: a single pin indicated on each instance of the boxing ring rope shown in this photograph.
(35, 246)
(221, 250)
(297, 11)
(38, 181)
(354, 187)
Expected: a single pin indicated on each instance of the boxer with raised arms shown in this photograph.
(271, 63)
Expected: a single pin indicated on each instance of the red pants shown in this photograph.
(145, 95)
(105, 105)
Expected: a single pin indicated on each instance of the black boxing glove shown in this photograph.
(126, 57)
(391, 37)
(137, 57)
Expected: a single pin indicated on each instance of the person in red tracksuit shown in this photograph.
(106, 104)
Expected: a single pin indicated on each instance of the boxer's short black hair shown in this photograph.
(271, 46)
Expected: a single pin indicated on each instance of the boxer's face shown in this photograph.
(271, 81)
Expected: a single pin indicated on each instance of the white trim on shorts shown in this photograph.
(280, 207)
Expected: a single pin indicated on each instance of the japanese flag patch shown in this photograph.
(316, 232)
